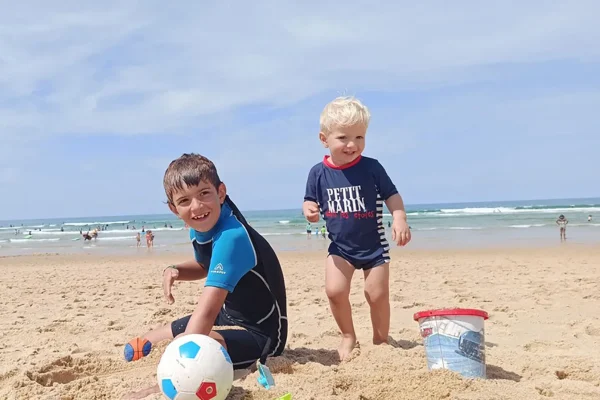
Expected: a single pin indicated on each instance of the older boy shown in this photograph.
(349, 190)
(244, 285)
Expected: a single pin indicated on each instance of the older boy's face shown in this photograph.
(199, 206)
(345, 144)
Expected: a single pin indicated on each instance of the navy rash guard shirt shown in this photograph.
(239, 260)
(351, 199)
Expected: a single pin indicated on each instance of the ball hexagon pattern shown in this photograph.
(189, 350)
(195, 367)
(207, 391)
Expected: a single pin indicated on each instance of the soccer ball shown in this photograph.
(195, 367)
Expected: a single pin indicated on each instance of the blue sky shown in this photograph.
(470, 102)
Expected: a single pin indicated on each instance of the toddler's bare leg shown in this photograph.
(338, 276)
(377, 293)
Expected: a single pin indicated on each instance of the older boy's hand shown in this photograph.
(400, 232)
(169, 276)
(311, 211)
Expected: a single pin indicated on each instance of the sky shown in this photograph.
(470, 101)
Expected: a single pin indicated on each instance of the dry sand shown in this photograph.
(64, 321)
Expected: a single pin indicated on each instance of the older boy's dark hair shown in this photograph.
(189, 170)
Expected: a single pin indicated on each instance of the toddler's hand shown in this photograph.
(400, 232)
(311, 211)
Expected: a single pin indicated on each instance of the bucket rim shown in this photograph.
(450, 311)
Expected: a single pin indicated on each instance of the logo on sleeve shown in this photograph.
(218, 269)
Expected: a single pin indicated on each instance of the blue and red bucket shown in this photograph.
(454, 339)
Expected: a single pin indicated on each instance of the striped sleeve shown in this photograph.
(384, 184)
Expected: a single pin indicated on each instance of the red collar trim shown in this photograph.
(350, 164)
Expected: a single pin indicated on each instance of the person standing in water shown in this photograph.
(562, 223)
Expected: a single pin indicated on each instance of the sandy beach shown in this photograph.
(64, 321)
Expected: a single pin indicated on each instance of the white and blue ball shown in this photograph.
(195, 367)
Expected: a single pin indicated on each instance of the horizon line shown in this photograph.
(300, 208)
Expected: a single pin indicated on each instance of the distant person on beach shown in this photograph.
(562, 223)
(590, 218)
(244, 292)
(149, 239)
(323, 231)
(350, 191)
(308, 230)
(138, 238)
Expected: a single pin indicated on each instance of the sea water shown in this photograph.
(458, 225)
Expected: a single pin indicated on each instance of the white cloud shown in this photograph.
(136, 68)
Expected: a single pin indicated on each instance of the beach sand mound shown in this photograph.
(64, 322)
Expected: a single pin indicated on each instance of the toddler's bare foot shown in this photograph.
(348, 344)
(378, 340)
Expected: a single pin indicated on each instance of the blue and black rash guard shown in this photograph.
(239, 260)
(351, 201)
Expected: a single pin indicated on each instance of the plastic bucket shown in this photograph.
(454, 339)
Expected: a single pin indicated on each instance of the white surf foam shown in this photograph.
(585, 224)
(33, 240)
(511, 210)
(524, 226)
(95, 223)
(50, 232)
(282, 233)
(104, 238)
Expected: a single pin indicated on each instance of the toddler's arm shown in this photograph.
(396, 206)
(400, 229)
(311, 211)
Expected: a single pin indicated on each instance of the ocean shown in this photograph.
(458, 225)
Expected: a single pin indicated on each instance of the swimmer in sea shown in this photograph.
(562, 223)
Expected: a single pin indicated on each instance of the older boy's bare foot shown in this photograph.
(142, 393)
(348, 344)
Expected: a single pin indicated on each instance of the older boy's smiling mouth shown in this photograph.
(201, 216)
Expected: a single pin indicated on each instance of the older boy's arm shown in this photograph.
(396, 206)
(210, 303)
(185, 271)
(189, 271)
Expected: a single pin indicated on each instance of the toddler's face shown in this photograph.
(345, 144)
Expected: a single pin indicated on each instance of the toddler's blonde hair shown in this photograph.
(343, 112)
